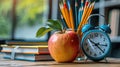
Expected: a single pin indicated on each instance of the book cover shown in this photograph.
(26, 49)
(25, 43)
(29, 57)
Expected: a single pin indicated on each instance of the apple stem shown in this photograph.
(63, 31)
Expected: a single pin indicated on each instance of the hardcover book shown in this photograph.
(26, 49)
(29, 57)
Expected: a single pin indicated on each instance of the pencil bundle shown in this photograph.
(77, 17)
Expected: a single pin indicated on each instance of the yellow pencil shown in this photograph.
(87, 4)
(90, 11)
(71, 18)
(85, 9)
(87, 15)
(64, 15)
(67, 14)
(84, 21)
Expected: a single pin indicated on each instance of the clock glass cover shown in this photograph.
(96, 44)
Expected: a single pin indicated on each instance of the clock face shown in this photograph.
(96, 44)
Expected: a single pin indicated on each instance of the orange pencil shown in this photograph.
(71, 18)
(67, 14)
(87, 15)
(70, 14)
(63, 13)
(85, 9)
(90, 11)
(83, 16)
(84, 21)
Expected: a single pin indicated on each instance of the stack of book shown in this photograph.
(26, 52)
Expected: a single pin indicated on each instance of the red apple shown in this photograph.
(64, 47)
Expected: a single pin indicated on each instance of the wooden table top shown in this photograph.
(112, 62)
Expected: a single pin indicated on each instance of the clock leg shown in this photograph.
(86, 58)
(106, 60)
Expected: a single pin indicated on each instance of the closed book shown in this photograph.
(29, 57)
(27, 49)
(25, 43)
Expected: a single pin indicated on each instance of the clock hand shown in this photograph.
(96, 44)
(102, 44)
(91, 45)
(92, 41)
(99, 44)
(99, 48)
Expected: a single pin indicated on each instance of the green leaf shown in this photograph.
(53, 27)
(42, 31)
(55, 24)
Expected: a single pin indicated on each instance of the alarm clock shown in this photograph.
(95, 42)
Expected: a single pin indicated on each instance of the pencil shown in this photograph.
(87, 4)
(71, 14)
(85, 8)
(67, 13)
(63, 22)
(90, 11)
(84, 21)
(76, 13)
(63, 14)
(80, 13)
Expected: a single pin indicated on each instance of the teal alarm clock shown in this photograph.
(95, 42)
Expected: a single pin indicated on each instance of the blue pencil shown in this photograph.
(80, 13)
(63, 22)
(76, 14)
(68, 4)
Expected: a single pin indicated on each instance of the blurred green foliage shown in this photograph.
(5, 22)
(31, 11)
(27, 12)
